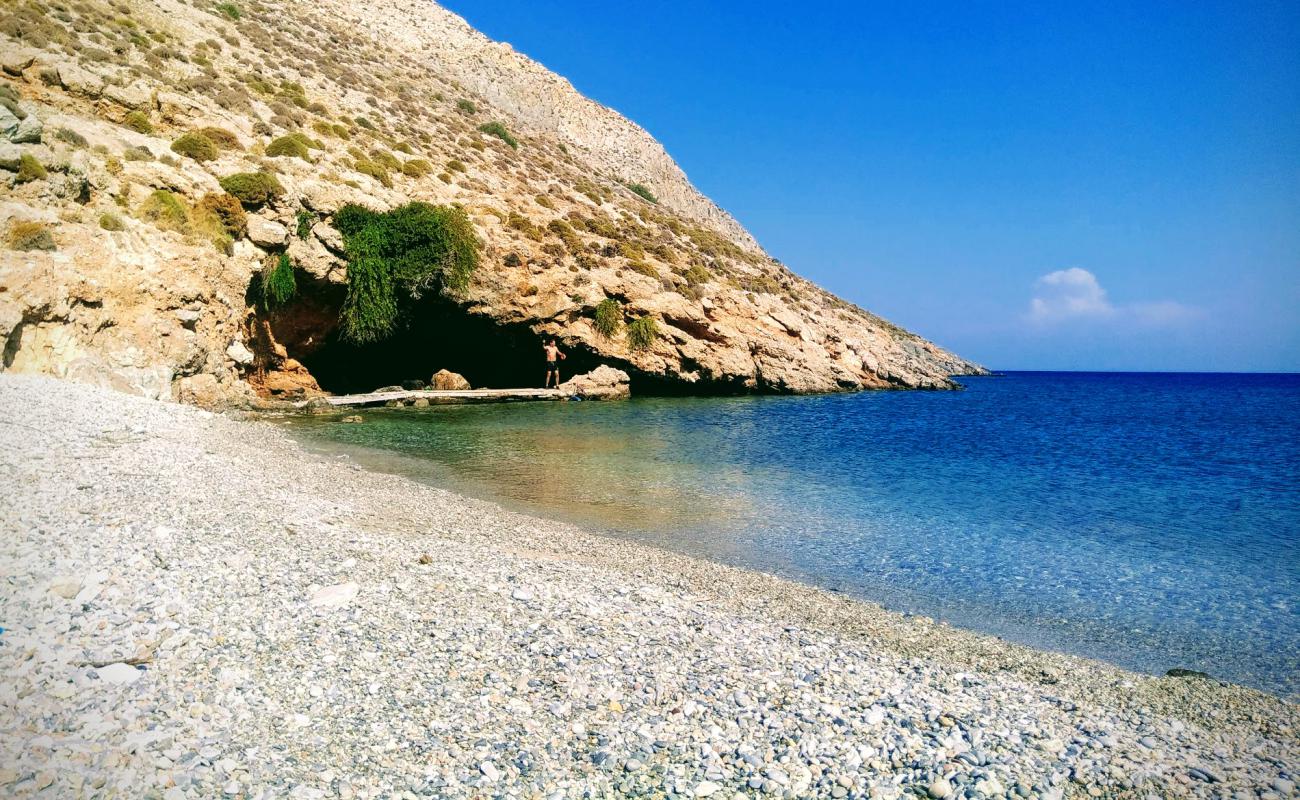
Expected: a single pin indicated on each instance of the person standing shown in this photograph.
(553, 356)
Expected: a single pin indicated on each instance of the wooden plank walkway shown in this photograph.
(448, 396)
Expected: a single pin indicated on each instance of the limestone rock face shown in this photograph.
(602, 383)
(159, 305)
(444, 380)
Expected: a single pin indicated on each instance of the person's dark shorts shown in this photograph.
(552, 365)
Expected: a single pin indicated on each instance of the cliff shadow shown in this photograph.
(303, 337)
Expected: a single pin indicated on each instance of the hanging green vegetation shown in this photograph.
(397, 256)
(278, 283)
(641, 333)
(304, 221)
(609, 318)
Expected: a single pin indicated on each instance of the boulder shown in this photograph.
(602, 383)
(10, 154)
(133, 95)
(290, 380)
(201, 390)
(240, 354)
(8, 122)
(310, 256)
(264, 232)
(16, 59)
(78, 80)
(329, 236)
(444, 380)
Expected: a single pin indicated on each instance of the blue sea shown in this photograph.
(1148, 520)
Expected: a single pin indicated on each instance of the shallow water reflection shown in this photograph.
(1150, 520)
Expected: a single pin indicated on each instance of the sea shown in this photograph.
(1147, 520)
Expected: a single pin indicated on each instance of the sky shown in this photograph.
(1109, 186)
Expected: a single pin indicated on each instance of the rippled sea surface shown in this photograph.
(1150, 520)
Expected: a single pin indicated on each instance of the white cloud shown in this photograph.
(1076, 294)
(1068, 293)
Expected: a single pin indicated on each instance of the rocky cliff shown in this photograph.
(165, 163)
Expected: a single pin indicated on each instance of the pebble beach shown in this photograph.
(195, 606)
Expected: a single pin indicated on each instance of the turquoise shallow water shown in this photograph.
(1148, 520)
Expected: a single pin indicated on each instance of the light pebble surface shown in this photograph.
(194, 607)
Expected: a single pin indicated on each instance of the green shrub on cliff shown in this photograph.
(641, 333)
(195, 146)
(399, 255)
(642, 192)
(608, 319)
(303, 222)
(253, 189)
(416, 168)
(278, 284)
(375, 170)
(697, 275)
(222, 138)
(29, 169)
(28, 235)
(290, 146)
(138, 121)
(165, 210)
(228, 212)
(498, 130)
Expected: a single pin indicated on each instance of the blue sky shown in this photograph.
(1037, 186)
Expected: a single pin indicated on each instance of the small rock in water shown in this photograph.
(1179, 672)
(353, 419)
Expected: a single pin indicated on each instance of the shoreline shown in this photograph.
(401, 464)
(605, 641)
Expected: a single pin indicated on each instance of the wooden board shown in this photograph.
(448, 396)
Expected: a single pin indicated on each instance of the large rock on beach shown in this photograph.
(445, 380)
(602, 383)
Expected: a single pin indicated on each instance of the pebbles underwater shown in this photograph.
(195, 607)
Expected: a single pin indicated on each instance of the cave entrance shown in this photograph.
(437, 335)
